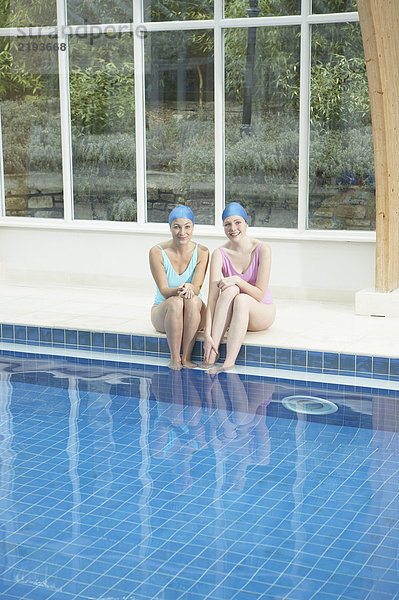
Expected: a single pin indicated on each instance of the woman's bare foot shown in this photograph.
(175, 365)
(222, 369)
(206, 365)
(188, 364)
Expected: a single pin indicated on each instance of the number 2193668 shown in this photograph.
(40, 47)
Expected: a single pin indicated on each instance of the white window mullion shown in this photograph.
(141, 171)
(304, 115)
(219, 113)
(2, 185)
(65, 113)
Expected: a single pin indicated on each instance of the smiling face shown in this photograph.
(235, 227)
(182, 230)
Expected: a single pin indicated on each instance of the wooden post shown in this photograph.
(379, 22)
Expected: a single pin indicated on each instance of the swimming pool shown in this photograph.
(128, 481)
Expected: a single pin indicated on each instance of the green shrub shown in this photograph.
(124, 210)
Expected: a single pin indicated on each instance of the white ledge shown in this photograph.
(377, 304)
(200, 230)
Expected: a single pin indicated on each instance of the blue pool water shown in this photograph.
(130, 482)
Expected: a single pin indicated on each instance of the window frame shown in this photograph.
(138, 27)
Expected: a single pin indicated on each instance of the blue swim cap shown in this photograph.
(181, 212)
(234, 208)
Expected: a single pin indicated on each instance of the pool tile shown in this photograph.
(124, 342)
(330, 361)
(347, 362)
(299, 359)
(7, 332)
(32, 334)
(98, 340)
(268, 356)
(164, 346)
(71, 337)
(20, 333)
(364, 364)
(45, 334)
(198, 350)
(394, 367)
(151, 344)
(241, 355)
(58, 336)
(315, 360)
(84, 338)
(283, 357)
(110, 341)
(380, 366)
(138, 343)
(253, 355)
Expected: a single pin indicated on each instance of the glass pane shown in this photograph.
(176, 10)
(180, 123)
(333, 6)
(262, 108)
(103, 132)
(30, 118)
(341, 178)
(26, 13)
(82, 12)
(261, 8)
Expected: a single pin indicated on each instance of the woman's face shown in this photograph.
(235, 227)
(182, 230)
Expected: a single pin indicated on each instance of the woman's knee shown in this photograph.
(230, 293)
(241, 303)
(175, 305)
(193, 306)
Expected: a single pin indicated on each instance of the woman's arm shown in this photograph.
(259, 290)
(159, 274)
(213, 294)
(200, 270)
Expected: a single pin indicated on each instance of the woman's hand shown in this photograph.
(186, 291)
(226, 282)
(209, 345)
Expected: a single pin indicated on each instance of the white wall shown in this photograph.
(314, 269)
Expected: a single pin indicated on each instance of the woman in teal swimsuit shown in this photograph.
(178, 267)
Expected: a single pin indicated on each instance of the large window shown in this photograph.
(103, 126)
(120, 110)
(341, 175)
(30, 126)
(262, 123)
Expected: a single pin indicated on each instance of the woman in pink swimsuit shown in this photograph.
(239, 299)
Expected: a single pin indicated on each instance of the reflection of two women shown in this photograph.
(178, 430)
(231, 420)
(237, 425)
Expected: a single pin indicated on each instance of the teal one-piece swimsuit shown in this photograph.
(174, 279)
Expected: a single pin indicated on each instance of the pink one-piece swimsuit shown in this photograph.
(250, 274)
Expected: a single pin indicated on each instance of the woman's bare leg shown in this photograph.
(248, 315)
(222, 316)
(192, 318)
(167, 317)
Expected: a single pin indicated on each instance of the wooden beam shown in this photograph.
(379, 22)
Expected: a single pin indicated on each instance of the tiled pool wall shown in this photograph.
(256, 356)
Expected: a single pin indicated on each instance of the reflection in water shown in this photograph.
(234, 411)
(238, 425)
(8, 513)
(73, 454)
(140, 482)
(383, 508)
